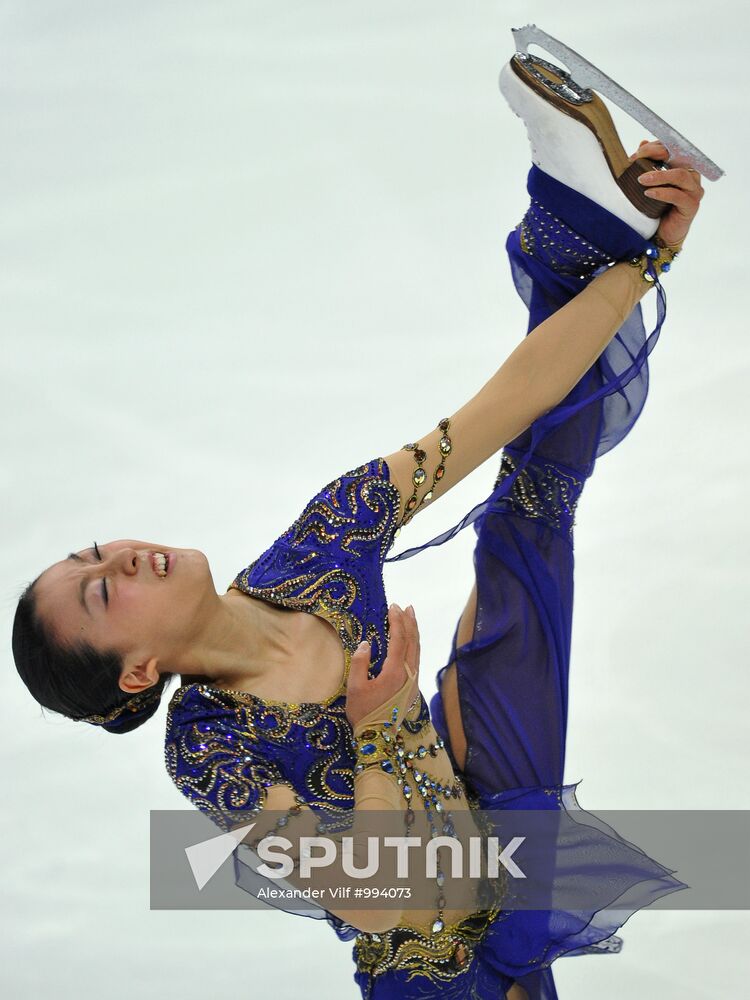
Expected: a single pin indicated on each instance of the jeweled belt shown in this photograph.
(441, 956)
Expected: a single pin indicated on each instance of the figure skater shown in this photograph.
(298, 693)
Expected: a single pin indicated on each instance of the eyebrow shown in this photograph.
(82, 586)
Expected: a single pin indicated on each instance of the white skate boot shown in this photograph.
(573, 137)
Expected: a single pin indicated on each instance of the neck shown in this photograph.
(240, 639)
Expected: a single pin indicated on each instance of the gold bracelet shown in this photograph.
(656, 259)
(419, 475)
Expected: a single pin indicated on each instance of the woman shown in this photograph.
(292, 681)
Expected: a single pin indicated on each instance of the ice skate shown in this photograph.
(580, 147)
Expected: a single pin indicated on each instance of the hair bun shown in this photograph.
(131, 719)
(132, 712)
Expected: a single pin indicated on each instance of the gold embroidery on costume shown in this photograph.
(334, 592)
(225, 770)
(440, 957)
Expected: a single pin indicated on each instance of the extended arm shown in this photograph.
(535, 377)
(556, 354)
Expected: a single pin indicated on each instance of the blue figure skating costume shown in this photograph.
(223, 749)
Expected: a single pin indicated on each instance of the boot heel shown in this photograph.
(556, 87)
(628, 183)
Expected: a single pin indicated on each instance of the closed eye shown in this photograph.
(105, 593)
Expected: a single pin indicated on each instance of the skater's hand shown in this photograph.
(398, 675)
(678, 186)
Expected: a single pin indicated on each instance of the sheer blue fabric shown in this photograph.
(513, 674)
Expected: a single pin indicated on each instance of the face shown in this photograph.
(143, 601)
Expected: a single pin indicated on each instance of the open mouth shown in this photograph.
(160, 564)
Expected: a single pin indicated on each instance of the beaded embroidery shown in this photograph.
(329, 562)
(557, 246)
(440, 957)
(541, 490)
(224, 749)
(385, 749)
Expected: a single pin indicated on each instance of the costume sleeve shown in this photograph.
(216, 766)
(358, 511)
(330, 560)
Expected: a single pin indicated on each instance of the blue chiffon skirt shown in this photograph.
(513, 674)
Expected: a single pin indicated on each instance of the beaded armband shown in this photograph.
(656, 259)
(385, 749)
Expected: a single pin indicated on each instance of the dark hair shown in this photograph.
(76, 681)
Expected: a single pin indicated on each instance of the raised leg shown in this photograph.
(503, 696)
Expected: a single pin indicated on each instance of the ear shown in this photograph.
(140, 676)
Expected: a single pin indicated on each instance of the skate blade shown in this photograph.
(583, 76)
